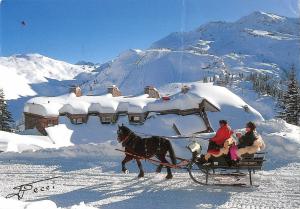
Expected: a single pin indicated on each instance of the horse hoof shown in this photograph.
(141, 175)
(158, 170)
(125, 171)
(169, 176)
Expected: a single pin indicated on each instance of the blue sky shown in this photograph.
(98, 30)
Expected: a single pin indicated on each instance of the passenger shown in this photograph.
(249, 137)
(224, 132)
(216, 146)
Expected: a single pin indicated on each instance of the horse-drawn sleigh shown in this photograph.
(145, 149)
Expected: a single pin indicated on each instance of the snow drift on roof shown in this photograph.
(216, 98)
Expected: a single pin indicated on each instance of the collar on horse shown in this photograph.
(126, 138)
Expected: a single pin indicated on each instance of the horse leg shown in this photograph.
(126, 159)
(162, 158)
(158, 169)
(141, 174)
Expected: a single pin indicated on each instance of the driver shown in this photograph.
(216, 143)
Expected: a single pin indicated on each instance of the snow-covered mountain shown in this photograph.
(267, 37)
(20, 72)
(132, 70)
(259, 42)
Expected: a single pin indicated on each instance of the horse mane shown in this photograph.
(128, 129)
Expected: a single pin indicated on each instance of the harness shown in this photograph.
(124, 142)
(134, 142)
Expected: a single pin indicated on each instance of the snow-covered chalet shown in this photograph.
(43, 112)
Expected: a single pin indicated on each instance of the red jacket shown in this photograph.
(222, 134)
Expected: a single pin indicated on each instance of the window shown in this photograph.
(106, 119)
(79, 121)
(135, 119)
(50, 123)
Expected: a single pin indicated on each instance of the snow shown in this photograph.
(218, 96)
(91, 173)
(231, 105)
(11, 142)
(205, 51)
(276, 39)
(53, 106)
(84, 155)
(162, 125)
(25, 70)
(36, 68)
(132, 71)
(58, 136)
(47, 204)
(19, 87)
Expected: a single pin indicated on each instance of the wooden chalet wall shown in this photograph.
(39, 122)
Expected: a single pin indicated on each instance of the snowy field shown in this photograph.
(90, 169)
(90, 175)
(278, 188)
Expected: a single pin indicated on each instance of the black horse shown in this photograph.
(145, 148)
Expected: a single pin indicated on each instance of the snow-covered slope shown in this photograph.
(268, 37)
(36, 68)
(13, 84)
(19, 73)
(259, 42)
(132, 70)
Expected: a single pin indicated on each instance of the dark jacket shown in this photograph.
(247, 139)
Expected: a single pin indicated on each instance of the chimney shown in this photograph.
(114, 90)
(76, 90)
(185, 89)
(152, 92)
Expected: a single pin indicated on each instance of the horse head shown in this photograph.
(123, 133)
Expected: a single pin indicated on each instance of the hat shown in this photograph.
(251, 125)
(223, 122)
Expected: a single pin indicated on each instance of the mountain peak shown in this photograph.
(259, 16)
(82, 62)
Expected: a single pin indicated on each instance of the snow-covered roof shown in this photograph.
(215, 97)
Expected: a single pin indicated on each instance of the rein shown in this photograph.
(176, 136)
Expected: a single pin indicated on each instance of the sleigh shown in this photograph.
(211, 172)
(220, 166)
(215, 169)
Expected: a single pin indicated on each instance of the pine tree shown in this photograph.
(298, 105)
(292, 99)
(5, 116)
(281, 106)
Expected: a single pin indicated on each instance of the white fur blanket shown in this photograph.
(258, 145)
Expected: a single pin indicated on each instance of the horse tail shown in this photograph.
(171, 152)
